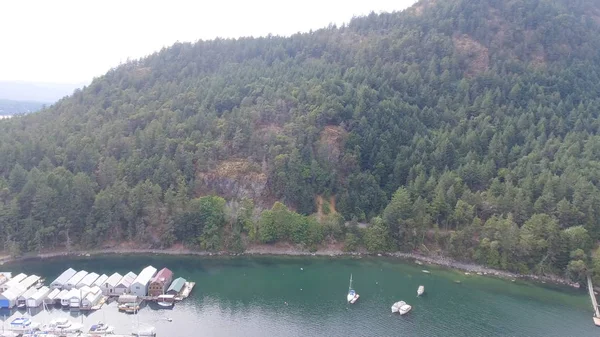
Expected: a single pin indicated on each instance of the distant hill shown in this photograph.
(36, 92)
(458, 126)
(10, 107)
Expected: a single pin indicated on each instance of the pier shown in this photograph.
(596, 316)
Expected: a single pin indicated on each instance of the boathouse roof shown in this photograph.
(29, 281)
(145, 275)
(177, 285)
(163, 275)
(63, 278)
(88, 280)
(100, 280)
(127, 280)
(76, 278)
(113, 280)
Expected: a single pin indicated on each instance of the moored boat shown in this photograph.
(61, 325)
(352, 295)
(166, 301)
(23, 324)
(101, 329)
(420, 290)
(401, 307)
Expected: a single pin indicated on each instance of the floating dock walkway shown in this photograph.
(594, 302)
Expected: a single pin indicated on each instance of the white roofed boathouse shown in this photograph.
(124, 285)
(109, 285)
(92, 298)
(75, 279)
(12, 282)
(49, 300)
(139, 286)
(100, 280)
(63, 278)
(87, 281)
(37, 299)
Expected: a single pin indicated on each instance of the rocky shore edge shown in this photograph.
(442, 261)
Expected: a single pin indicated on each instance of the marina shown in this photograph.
(83, 291)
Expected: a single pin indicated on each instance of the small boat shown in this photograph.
(425, 271)
(401, 307)
(129, 307)
(61, 325)
(101, 329)
(166, 301)
(352, 295)
(420, 290)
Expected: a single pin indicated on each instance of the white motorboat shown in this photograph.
(420, 291)
(352, 295)
(401, 307)
(62, 325)
(23, 324)
(101, 329)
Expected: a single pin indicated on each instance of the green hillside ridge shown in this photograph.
(469, 127)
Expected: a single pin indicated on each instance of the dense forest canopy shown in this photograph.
(469, 127)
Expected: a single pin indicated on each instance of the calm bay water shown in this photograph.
(300, 296)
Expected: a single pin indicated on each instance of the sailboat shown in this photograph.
(352, 295)
(148, 331)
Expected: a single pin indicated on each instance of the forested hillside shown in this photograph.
(469, 127)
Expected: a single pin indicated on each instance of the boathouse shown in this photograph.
(73, 281)
(49, 300)
(30, 281)
(61, 280)
(13, 282)
(58, 300)
(100, 281)
(176, 286)
(139, 286)
(77, 295)
(38, 297)
(124, 285)
(22, 300)
(65, 299)
(108, 287)
(92, 298)
(160, 282)
(8, 298)
(87, 281)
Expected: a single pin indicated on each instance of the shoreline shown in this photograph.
(263, 250)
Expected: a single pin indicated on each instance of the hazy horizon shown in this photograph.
(70, 42)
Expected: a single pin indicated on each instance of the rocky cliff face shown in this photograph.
(235, 179)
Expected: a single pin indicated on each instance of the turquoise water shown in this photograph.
(299, 296)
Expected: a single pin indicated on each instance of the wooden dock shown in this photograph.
(596, 316)
(187, 289)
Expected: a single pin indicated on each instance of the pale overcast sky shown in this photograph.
(64, 41)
